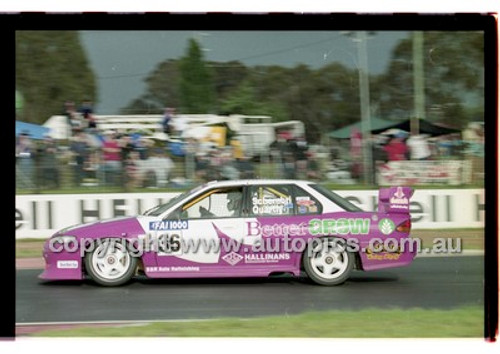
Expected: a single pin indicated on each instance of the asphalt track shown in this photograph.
(435, 282)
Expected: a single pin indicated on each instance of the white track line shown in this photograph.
(117, 322)
(463, 253)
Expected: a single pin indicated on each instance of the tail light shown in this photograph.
(404, 226)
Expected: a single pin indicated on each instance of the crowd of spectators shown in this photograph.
(131, 161)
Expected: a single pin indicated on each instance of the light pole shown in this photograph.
(418, 82)
(364, 97)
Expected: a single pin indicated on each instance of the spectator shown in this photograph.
(111, 153)
(396, 149)
(90, 121)
(126, 148)
(91, 166)
(87, 112)
(24, 159)
(300, 155)
(47, 163)
(313, 168)
(246, 167)
(279, 148)
(202, 162)
(79, 147)
(156, 169)
(133, 178)
(289, 166)
(86, 107)
(167, 122)
(418, 146)
(73, 117)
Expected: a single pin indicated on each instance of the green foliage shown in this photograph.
(196, 89)
(453, 67)
(161, 90)
(326, 98)
(51, 68)
(244, 101)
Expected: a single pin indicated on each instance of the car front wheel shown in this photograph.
(328, 262)
(110, 263)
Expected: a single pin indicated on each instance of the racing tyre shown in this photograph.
(328, 262)
(110, 263)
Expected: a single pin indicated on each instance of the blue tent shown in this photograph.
(35, 131)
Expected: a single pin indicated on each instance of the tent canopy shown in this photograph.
(345, 132)
(380, 125)
(35, 131)
(425, 127)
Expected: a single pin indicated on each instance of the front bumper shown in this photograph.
(61, 265)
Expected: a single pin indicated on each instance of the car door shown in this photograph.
(272, 220)
(213, 227)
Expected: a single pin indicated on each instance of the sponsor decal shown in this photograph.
(172, 269)
(399, 199)
(379, 251)
(254, 228)
(306, 205)
(67, 264)
(168, 225)
(383, 257)
(279, 205)
(341, 226)
(386, 226)
(266, 257)
(232, 258)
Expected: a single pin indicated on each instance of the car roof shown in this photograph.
(240, 182)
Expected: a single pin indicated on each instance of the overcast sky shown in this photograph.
(122, 59)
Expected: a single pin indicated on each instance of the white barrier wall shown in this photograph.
(39, 216)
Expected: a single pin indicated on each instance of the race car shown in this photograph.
(240, 228)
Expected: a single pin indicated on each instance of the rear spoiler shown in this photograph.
(394, 200)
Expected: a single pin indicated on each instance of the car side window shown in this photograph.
(306, 203)
(271, 200)
(215, 203)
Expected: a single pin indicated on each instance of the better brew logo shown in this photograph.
(386, 226)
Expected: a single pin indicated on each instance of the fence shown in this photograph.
(154, 168)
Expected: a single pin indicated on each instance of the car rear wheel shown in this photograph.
(110, 263)
(328, 262)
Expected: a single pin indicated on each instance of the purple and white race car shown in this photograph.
(245, 228)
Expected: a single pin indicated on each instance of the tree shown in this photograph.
(453, 67)
(243, 100)
(161, 90)
(51, 68)
(196, 89)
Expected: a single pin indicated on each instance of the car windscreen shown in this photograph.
(160, 209)
(334, 197)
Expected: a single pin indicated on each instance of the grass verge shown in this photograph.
(465, 322)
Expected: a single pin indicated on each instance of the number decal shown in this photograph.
(169, 245)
